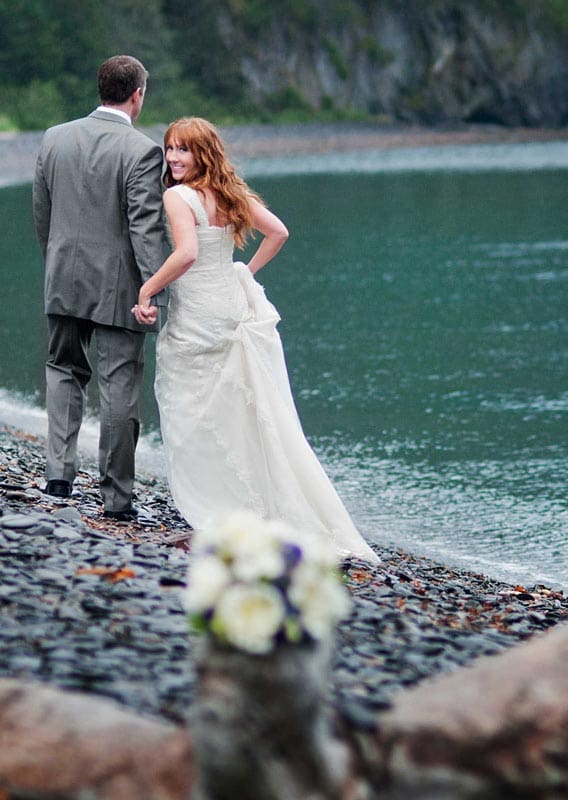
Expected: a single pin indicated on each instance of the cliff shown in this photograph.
(503, 62)
(427, 61)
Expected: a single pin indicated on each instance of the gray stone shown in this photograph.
(42, 527)
(70, 611)
(18, 521)
(69, 514)
(66, 533)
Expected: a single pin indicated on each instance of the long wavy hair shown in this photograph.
(213, 171)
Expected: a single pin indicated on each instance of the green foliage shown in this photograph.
(183, 99)
(204, 56)
(557, 12)
(7, 124)
(336, 57)
(83, 30)
(554, 13)
(514, 10)
(375, 53)
(49, 55)
(326, 104)
(50, 51)
(287, 100)
(29, 42)
(256, 15)
(345, 12)
(303, 13)
(35, 106)
(416, 101)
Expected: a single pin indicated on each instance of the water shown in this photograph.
(425, 325)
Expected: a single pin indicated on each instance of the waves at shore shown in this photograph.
(385, 500)
(27, 415)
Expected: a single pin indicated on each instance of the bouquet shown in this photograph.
(253, 584)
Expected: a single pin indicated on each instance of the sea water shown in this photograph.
(424, 303)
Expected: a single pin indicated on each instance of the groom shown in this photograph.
(97, 207)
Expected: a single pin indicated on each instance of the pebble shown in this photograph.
(93, 606)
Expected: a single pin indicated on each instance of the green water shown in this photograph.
(424, 318)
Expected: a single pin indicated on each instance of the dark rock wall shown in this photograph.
(428, 61)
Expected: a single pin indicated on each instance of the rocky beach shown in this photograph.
(94, 607)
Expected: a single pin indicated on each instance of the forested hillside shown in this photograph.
(429, 61)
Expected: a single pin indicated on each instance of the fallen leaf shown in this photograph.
(112, 574)
(360, 575)
(122, 575)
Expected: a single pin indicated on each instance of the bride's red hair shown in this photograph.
(213, 171)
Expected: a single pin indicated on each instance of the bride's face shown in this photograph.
(180, 160)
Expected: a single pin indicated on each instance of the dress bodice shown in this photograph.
(216, 243)
(210, 287)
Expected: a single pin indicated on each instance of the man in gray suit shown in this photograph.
(97, 204)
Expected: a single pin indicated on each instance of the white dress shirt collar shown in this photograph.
(112, 110)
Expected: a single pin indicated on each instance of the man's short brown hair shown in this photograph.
(119, 77)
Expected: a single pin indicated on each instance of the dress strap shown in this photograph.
(191, 197)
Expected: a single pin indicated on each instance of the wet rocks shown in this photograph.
(92, 612)
(413, 619)
(94, 607)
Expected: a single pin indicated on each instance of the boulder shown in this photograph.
(69, 745)
(497, 727)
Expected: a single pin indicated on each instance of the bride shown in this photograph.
(231, 433)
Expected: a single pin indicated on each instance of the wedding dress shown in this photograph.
(232, 437)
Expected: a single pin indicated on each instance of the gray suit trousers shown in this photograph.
(120, 362)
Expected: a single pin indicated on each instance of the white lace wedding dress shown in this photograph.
(231, 433)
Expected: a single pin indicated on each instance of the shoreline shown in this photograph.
(18, 151)
(306, 138)
(93, 606)
(64, 621)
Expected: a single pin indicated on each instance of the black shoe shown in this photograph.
(58, 488)
(128, 515)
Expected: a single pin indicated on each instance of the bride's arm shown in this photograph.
(186, 247)
(274, 231)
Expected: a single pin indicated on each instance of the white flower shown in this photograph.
(245, 541)
(243, 534)
(235, 533)
(320, 598)
(267, 562)
(250, 616)
(237, 563)
(207, 578)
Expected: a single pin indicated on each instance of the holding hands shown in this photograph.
(144, 313)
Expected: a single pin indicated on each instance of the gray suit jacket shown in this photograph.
(98, 215)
